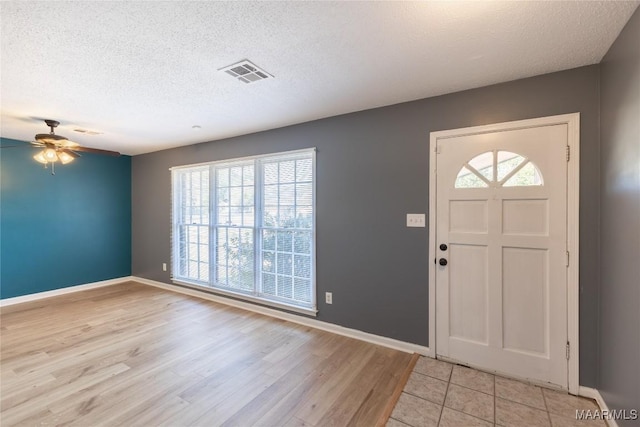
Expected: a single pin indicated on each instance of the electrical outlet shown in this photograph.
(328, 297)
(416, 220)
(164, 266)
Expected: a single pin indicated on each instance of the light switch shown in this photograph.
(416, 220)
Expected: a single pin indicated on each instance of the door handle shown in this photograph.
(442, 262)
(443, 247)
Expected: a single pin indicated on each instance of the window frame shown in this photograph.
(256, 294)
(494, 181)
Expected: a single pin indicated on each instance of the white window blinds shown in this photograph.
(248, 227)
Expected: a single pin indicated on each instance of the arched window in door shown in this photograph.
(498, 168)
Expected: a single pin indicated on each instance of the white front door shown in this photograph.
(501, 233)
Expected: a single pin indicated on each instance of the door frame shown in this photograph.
(573, 226)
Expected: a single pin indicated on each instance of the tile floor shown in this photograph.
(446, 395)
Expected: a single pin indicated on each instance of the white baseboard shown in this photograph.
(47, 294)
(593, 393)
(301, 320)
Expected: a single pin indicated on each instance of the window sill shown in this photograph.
(250, 298)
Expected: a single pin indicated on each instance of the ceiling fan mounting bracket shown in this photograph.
(52, 124)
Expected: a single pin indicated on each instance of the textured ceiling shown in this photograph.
(143, 73)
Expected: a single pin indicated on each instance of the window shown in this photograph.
(498, 169)
(247, 227)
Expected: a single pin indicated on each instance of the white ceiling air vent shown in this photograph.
(246, 72)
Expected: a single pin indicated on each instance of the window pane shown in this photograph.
(287, 195)
(223, 177)
(193, 252)
(302, 266)
(287, 172)
(286, 217)
(304, 217)
(304, 170)
(270, 216)
(468, 179)
(193, 270)
(284, 285)
(236, 216)
(223, 197)
(284, 263)
(270, 173)
(527, 176)
(204, 271)
(285, 239)
(248, 217)
(302, 242)
(235, 196)
(302, 290)
(247, 174)
(483, 163)
(304, 194)
(269, 284)
(235, 177)
(193, 262)
(269, 240)
(247, 196)
(271, 195)
(507, 161)
(223, 215)
(268, 262)
(235, 257)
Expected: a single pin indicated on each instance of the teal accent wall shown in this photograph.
(66, 229)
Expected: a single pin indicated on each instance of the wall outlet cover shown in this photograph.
(416, 220)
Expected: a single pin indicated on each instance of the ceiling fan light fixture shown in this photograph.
(40, 158)
(50, 155)
(65, 157)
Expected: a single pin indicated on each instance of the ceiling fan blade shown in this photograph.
(50, 138)
(67, 144)
(95, 151)
(71, 153)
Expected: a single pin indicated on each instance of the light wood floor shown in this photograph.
(134, 355)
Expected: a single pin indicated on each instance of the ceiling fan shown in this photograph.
(57, 148)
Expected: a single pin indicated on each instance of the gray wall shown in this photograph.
(619, 362)
(372, 169)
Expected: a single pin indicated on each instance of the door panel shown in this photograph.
(468, 216)
(525, 217)
(468, 293)
(501, 300)
(524, 299)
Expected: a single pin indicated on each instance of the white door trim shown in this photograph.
(573, 209)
